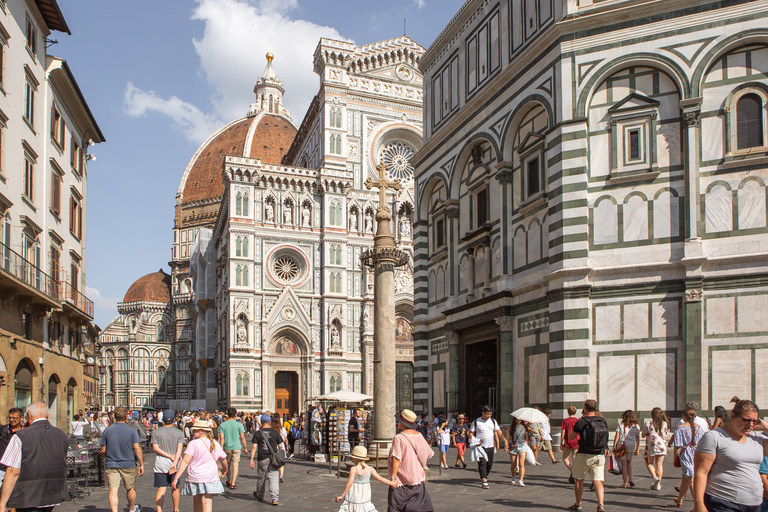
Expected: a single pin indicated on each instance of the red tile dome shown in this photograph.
(154, 287)
(264, 136)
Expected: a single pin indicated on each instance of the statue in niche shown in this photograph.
(405, 226)
(306, 216)
(353, 221)
(269, 213)
(368, 222)
(335, 341)
(287, 217)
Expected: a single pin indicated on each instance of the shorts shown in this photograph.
(164, 479)
(444, 448)
(233, 456)
(584, 463)
(461, 447)
(127, 475)
(567, 452)
(546, 445)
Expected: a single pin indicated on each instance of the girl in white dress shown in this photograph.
(358, 489)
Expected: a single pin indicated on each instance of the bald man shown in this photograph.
(36, 457)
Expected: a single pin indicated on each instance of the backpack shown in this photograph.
(594, 436)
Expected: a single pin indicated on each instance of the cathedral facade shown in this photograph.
(269, 303)
(598, 229)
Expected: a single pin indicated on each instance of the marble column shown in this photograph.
(507, 371)
(384, 258)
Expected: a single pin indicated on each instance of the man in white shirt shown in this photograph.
(487, 430)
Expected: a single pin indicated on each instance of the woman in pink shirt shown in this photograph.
(202, 458)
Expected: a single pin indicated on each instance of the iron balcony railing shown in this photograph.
(73, 297)
(22, 269)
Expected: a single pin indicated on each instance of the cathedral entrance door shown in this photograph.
(286, 393)
(480, 377)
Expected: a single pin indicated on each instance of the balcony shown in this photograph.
(76, 301)
(21, 278)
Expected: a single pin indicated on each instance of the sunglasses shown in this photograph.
(749, 421)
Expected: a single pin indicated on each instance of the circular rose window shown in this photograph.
(286, 268)
(396, 156)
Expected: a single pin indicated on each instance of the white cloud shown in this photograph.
(197, 126)
(100, 302)
(233, 48)
(232, 56)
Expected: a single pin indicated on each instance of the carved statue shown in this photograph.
(405, 226)
(287, 216)
(269, 213)
(352, 221)
(306, 216)
(368, 222)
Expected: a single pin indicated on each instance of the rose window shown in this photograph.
(285, 268)
(396, 156)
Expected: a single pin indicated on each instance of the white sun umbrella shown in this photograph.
(530, 415)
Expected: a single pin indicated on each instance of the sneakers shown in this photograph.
(486, 486)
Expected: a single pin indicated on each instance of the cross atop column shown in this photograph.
(383, 236)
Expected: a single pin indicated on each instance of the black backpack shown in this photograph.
(594, 436)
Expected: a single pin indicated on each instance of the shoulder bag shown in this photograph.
(276, 459)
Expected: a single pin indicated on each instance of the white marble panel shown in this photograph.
(606, 223)
(635, 219)
(666, 318)
(737, 65)
(760, 61)
(438, 389)
(617, 383)
(635, 321)
(761, 377)
(719, 211)
(753, 313)
(600, 155)
(712, 138)
(534, 242)
(721, 315)
(666, 216)
(656, 381)
(607, 323)
(731, 375)
(519, 248)
(751, 205)
(538, 379)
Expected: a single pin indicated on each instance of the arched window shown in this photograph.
(749, 121)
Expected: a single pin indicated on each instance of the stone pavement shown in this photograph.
(308, 487)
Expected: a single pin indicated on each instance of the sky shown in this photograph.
(161, 76)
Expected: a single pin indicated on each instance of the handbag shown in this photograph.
(276, 459)
(677, 457)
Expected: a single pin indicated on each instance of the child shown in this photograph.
(204, 478)
(359, 483)
(444, 437)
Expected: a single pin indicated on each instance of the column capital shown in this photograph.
(506, 323)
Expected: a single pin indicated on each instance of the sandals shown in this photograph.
(575, 506)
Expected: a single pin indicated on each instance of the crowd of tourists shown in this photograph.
(723, 461)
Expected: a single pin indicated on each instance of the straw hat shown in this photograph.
(201, 425)
(408, 418)
(359, 453)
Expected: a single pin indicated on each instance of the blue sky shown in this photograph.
(161, 75)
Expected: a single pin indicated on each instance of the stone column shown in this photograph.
(470, 275)
(507, 373)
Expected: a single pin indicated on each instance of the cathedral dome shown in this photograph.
(154, 287)
(264, 136)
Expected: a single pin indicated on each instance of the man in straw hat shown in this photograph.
(407, 467)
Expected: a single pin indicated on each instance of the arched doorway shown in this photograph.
(53, 399)
(23, 384)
